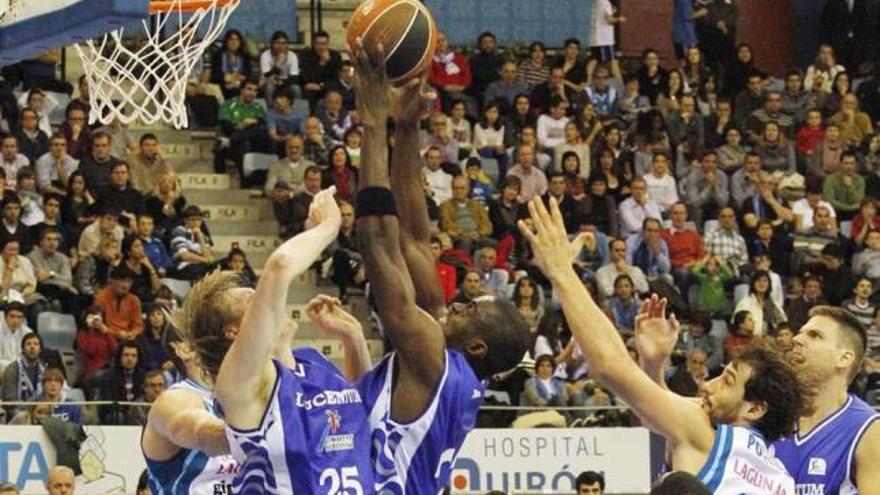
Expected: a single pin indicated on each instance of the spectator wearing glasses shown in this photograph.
(76, 132)
(33, 142)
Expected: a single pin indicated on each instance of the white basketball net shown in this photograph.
(148, 84)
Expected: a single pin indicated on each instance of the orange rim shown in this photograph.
(158, 7)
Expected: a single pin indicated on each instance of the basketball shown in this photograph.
(406, 30)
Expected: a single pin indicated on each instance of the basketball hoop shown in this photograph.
(148, 83)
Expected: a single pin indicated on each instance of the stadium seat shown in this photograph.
(257, 161)
(58, 330)
(301, 109)
(739, 293)
(719, 329)
(180, 288)
(490, 168)
(846, 228)
(710, 226)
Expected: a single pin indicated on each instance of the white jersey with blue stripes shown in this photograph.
(191, 472)
(742, 462)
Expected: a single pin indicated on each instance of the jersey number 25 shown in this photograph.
(345, 478)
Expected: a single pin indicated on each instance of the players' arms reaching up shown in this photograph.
(327, 313)
(416, 335)
(408, 105)
(679, 420)
(247, 374)
(180, 418)
(655, 338)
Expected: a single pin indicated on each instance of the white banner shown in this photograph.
(548, 460)
(513, 461)
(111, 459)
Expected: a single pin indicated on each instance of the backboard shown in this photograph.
(31, 27)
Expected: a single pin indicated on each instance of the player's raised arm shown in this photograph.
(407, 109)
(247, 374)
(180, 418)
(680, 421)
(416, 334)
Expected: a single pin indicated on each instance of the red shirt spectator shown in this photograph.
(448, 280)
(685, 245)
(122, 309)
(808, 138)
(449, 67)
(94, 343)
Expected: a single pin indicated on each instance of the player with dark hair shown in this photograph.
(679, 483)
(423, 398)
(837, 446)
(724, 439)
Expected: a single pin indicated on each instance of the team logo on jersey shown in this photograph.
(817, 466)
(330, 441)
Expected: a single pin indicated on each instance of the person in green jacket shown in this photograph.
(845, 189)
(711, 275)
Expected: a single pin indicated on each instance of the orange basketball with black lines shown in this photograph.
(406, 30)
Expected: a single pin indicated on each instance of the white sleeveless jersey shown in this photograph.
(191, 472)
(741, 462)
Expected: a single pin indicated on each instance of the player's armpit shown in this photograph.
(180, 417)
(867, 461)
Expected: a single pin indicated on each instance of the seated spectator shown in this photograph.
(660, 183)
(776, 150)
(33, 415)
(685, 125)
(504, 91)
(697, 336)
(341, 174)
(293, 212)
(805, 208)
(845, 189)
(855, 125)
(575, 150)
(279, 66)
(105, 227)
(97, 166)
(450, 73)
(286, 176)
(347, 268)
(12, 329)
(52, 219)
(771, 111)
(527, 299)
(798, 310)
(78, 207)
(617, 266)
(463, 219)
(766, 204)
(741, 333)
(717, 127)
(121, 195)
(495, 279)
(438, 137)
(335, 119)
(688, 380)
(635, 209)
(648, 251)
(744, 182)
(23, 378)
(811, 135)
(446, 272)
(165, 204)
(93, 272)
(53, 272)
(231, 64)
(825, 158)
(573, 211)
(153, 350)
(480, 183)
(124, 381)
(837, 277)
(439, 182)
(725, 242)
(766, 313)
(318, 65)
(590, 482)
(53, 385)
(76, 132)
(773, 243)
(460, 129)
(343, 84)
(41, 103)
(505, 211)
(145, 277)
(599, 208)
(12, 227)
(191, 246)
(865, 221)
(31, 200)
(529, 137)
(860, 303)
(554, 86)
(807, 245)
(32, 141)
(533, 71)
(551, 125)
(731, 155)
(489, 137)
(95, 347)
(235, 261)
(520, 117)
(242, 128)
(154, 248)
(121, 308)
(353, 141)
(712, 276)
(705, 190)
(19, 283)
(147, 165)
(281, 122)
(11, 161)
(685, 246)
(61, 480)
(623, 306)
(154, 385)
(122, 142)
(544, 389)
(316, 141)
(470, 289)
(867, 261)
(55, 166)
(533, 182)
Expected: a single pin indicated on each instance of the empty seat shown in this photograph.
(257, 161)
(57, 330)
